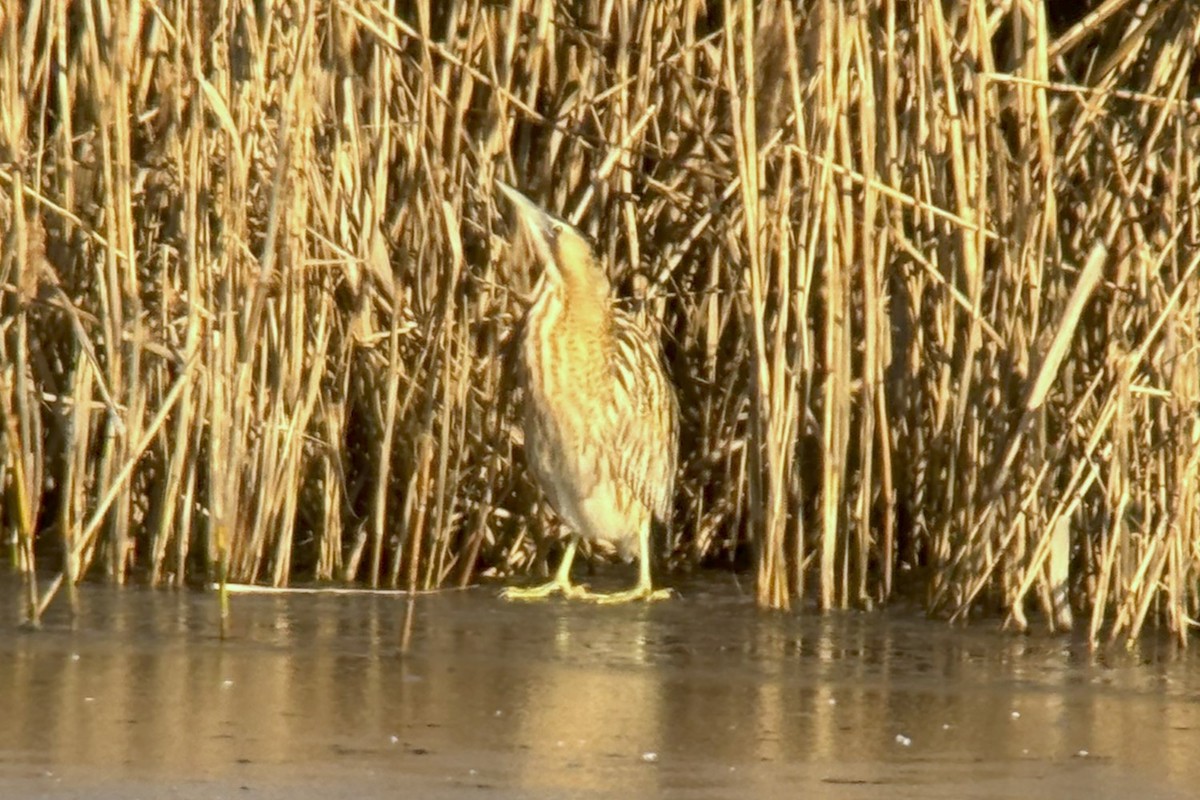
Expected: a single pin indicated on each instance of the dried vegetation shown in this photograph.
(926, 274)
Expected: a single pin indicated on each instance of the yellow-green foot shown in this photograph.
(543, 591)
(628, 596)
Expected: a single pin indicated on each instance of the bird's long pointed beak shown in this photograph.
(518, 199)
(534, 219)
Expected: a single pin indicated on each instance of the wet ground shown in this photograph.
(698, 697)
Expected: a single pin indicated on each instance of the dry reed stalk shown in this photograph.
(925, 274)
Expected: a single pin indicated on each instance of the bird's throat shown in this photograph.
(574, 331)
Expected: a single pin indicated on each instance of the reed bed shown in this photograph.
(926, 273)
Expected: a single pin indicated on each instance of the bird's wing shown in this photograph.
(646, 419)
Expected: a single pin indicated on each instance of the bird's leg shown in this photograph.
(644, 590)
(561, 582)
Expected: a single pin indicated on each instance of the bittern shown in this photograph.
(600, 418)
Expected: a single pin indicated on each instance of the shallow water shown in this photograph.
(698, 697)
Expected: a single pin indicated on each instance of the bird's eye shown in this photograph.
(557, 228)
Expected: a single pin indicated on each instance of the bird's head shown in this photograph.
(565, 252)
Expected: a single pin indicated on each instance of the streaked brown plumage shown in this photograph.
(600, 416)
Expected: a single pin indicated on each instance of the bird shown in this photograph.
(599, 415)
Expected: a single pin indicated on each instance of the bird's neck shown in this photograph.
(585, 302)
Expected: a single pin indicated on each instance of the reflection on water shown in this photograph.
(698, 697)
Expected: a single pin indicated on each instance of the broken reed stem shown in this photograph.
(924, 274)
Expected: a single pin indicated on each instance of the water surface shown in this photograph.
(698, 697)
